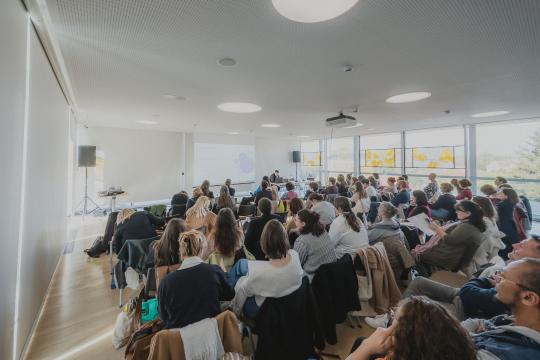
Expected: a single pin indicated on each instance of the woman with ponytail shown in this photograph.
(347, 232)
(313, 246)
(193, 292)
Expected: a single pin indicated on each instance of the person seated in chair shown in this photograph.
(178, 201)
(476, 298)
(199, 216)
(515, 336)
(331, 188)
(454, 250)
(166, 249)
(197, 192)
(326, 210)
(313, 189)
(205, 188)
(194, 291)
(224, 200)
(265, 192)
(347, 231)
(290, 194)
(256, 280)
(256, 226)
(443, 208)
(419, 204)
(421, 329)
(403, 195)
(131, 224)
(228, 239)
(314, 245)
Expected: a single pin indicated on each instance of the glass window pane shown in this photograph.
(380, 149)
(341, 154)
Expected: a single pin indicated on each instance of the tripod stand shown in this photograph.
(84, 201)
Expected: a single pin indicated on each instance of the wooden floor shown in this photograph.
(80, 310)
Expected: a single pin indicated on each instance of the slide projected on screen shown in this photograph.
(217, 162)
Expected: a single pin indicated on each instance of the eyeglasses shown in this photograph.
(499, 275)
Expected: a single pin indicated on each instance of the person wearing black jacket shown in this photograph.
(131, 224)
(265, 192)
(194, 291)
(256, 226)
(231, 189)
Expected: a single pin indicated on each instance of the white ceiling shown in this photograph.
(122, 56)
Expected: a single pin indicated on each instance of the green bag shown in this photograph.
(149, 310)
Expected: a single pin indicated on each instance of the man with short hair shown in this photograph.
(432, 188)
(256, 226)
(475, 299)
(275, 178)
(516, 337)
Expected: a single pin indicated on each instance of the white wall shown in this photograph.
(33, 153)
(272, 154)
(45, 222)
(147, 164)
(13, 31)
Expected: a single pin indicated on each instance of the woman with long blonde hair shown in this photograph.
(199, 217)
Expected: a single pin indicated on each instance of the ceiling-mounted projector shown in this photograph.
(340, 121)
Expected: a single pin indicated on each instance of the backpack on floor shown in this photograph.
(98, 247)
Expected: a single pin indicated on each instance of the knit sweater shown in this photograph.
(314, 251)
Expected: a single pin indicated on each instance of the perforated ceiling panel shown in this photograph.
(122, 56)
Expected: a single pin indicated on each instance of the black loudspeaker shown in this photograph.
(86, 156)
(296, 156)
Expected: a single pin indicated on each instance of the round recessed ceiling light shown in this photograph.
(233, 133)
(490, 114)
(147, 122)
(312, 11)
(408, 97)
(174, 97)
(353, 126)
(227, 62)
(270, 125)
(239, 107)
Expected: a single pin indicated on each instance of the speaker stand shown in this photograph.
(296, 172)
(84, 201)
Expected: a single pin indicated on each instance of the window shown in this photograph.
(310, 152)
(511, 150)
(340, 155)
(382, 150)
(439, 150)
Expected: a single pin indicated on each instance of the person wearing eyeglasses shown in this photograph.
(515, 337)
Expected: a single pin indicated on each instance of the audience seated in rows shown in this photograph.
(194, 291)
(444, 207)
(228, 240)
(256, 226)
(166, 249)
(491, 192)
(419, 204)
(326, 211)
(131, 225)
(453, 248)
(314, 246)
(256, 280)
(200, 217)
(347, 232)
(499, 180)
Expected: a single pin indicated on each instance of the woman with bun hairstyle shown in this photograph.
(314, 246)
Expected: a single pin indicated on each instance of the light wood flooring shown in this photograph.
(80, 310)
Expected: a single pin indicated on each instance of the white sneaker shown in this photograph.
(377, 321)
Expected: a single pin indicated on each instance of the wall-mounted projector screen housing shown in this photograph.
(217, 162)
